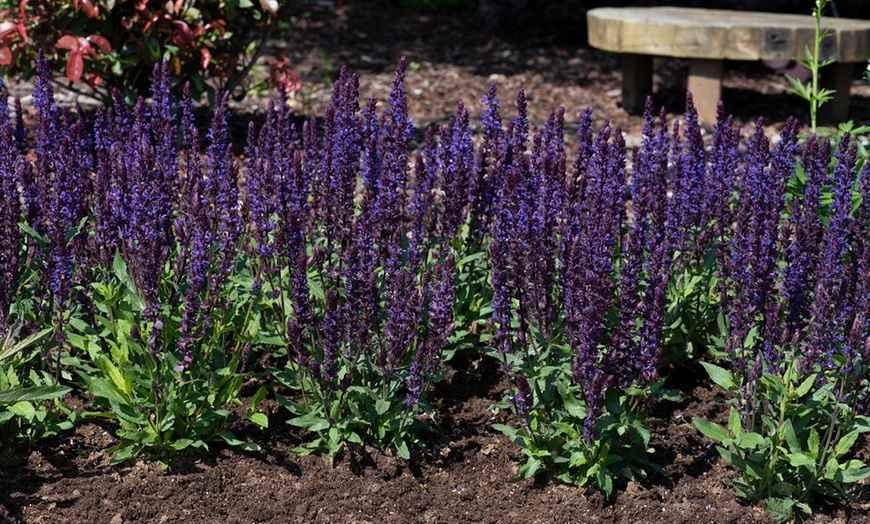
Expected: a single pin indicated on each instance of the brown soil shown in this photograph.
(465, 476)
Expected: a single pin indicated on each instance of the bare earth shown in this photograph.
(465, 476)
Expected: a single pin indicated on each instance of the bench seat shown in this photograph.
(708, 37)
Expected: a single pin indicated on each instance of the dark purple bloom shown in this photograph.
(859, 339)
(11, 214)
(831, 307)
(458, 169)
(802, 246)
(591, 236)
(488, 172)
(423, 211)
(649, 356)
(688, 212)
(524, 400)
(438, 322)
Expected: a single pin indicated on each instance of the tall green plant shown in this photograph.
(811, 92)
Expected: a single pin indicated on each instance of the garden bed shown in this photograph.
(465, 474)
(464, 478)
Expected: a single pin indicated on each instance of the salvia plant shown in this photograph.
(342, 265)
(797, 315)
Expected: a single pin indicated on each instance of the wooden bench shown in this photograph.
(708, 37)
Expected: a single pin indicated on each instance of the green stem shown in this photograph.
(814, 98)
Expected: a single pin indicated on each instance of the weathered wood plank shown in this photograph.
(705, 84)
(722, 34)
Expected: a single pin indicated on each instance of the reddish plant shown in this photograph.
(115, 43)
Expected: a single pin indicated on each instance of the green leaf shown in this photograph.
(33, 233)
(126, 414)
(24, 343)
(711, 429)
(813, 442)
(845, 443)
(382, 406)
(751, 440)
(805, 386)
(102, 388)
(853, 474)
(832, 468)
(232, 440)
(787, 431)
(121, 380)
(181, 444)
(779, 509)
(316, 290)
(719, 375)
(402, 448)
(23, 409)
(531, 467)
(24, 394)
(75, 230)
(260, 419)
(801, 459)
(604, 480)
(734, 426)
(310, 421)
(119, 268)
(257, 398)
(470, 258)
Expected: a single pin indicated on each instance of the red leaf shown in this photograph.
(22, 30)
(68, 42)
(292, 84)
(5, 55)
(206, 57)
(283, 77)
(75, 65)
(183, 30)
(90, 9)
(94, 79)
(101, 42)
(6, 27)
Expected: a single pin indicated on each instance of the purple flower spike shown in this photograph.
(10, 216)
(830, 307)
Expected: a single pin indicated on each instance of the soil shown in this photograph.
(466, 474)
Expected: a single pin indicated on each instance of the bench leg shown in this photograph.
(705, 84)
(837, 76)
(636, 82)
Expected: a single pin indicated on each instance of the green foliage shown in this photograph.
(691, 328)
(363, 401)
(26, 416)
(355, 415)
(551, 430)
(793, 445)
(473, 304)
(132, 370)
(111, 44)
